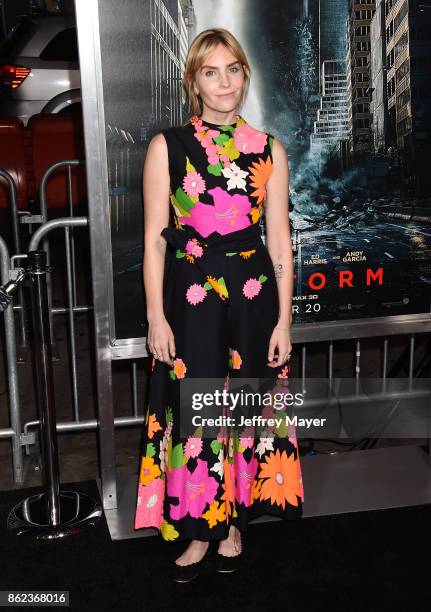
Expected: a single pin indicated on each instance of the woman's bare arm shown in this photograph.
(156, 183)
(278, 238)
(156, 217)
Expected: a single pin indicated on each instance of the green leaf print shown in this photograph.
(172, 374)
(189, 166)
(207, 286)
(177, 456)
(236, 443)
(222, 285)
(220, 140)
(230, 254)
(150, 450)
(215, 169)
(179, 254)
(263, 278)
(169, 416)
(270, 141)
(216, 446)
(226, 128)
(198, 432)
(183, 201)
(281, 431)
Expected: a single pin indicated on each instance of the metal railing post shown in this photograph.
(11, 369)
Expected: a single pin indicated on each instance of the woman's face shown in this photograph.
(220, 81)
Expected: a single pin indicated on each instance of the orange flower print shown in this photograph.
(235, 360)
(247, 254)
(179, 370)
(284, 372)
(255, 491)
(153, 425)
(228, 486)
(149, 470)
(219, 286)
(215, 514)
(255, 212)
(281, 474)
(259, 174)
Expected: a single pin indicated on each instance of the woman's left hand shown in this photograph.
(280, 339)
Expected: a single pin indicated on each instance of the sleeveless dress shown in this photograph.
(197, 476)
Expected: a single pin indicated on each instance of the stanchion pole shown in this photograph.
(37, 268)
(52, 513)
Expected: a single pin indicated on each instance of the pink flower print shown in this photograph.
(244, 475)
(196, 294)
(194, 490)
(206, 139)
(249, 140)
(228, 214)
(193, 447)
(149, 509)
(291, 430)
(247, 437)
(179, 370)
(212, 153)
(193, 184)
(193, 248)
(251, 288)
(225, 159)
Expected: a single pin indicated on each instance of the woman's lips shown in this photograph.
(225, 95)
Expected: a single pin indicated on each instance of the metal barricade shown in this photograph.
(14, 431)
(17, 249)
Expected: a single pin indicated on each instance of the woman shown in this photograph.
(223, 313)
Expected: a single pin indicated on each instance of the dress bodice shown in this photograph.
(218, 174)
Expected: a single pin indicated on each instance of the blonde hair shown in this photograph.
(202, 45)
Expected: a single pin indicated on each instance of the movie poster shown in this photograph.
(345, 87)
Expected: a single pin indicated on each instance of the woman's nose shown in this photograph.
(224, 80)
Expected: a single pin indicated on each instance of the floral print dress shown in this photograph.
(221, 301)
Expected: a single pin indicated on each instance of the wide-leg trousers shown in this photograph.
(221, 301)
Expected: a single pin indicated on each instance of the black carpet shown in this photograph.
(359, 561)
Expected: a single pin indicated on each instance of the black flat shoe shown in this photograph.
(227, 565)
(187, 573)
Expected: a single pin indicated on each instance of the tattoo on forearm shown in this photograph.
(278, 269)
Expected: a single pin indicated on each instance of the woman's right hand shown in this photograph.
(161, 340)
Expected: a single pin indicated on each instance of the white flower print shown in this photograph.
(235, 176)
(264, 445)
(152, 501)
(218, 467)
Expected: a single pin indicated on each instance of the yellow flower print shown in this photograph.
(247, 254)
(168, 531)
(215, 514)
(229, 149)
(149, 470)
